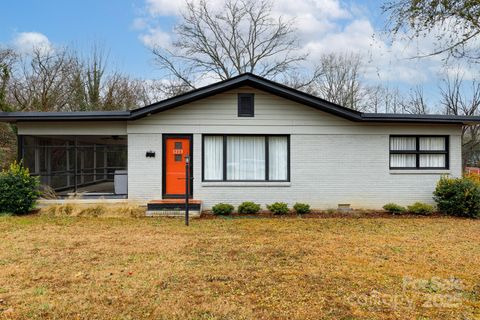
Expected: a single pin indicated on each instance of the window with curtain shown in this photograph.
(213, 157)
(419, 152)
(245, 158)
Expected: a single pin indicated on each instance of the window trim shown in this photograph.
(239, 98)
(267, 162)
(417, 152)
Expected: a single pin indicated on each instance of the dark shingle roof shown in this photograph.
(246, 79)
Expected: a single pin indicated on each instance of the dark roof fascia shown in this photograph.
(254, 81)
(65, 116)
(419, 118)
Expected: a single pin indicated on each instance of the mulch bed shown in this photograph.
(319, 214)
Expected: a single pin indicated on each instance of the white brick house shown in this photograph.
(249, 139)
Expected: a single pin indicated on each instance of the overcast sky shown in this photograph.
(127, 28)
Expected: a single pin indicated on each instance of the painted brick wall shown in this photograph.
(330, 169)
(325, 170)
(333, 160)
(144, 174)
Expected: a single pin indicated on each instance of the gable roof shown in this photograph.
(246, 79)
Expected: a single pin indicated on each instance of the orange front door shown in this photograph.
(176, 149)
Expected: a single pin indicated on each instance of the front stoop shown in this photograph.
(173, 208)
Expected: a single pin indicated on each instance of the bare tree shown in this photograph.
(242, 36)
(88, 80)
(455, 24)
(455, 101)
(392, 100)
(120, 92)
(338, 79)
(95, 86)
(42, 82)
(415, 102)
(156, 90)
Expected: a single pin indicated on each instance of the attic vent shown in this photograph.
(245, 105)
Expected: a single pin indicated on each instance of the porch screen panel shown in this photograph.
(277, 158)
(245, 158)
(69, 164)
(213, 157)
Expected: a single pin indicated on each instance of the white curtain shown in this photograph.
(213, 157)
(402, 161)
(402, 143)
(277, 158)
(432, 160)
(245, 158)
(432, 143)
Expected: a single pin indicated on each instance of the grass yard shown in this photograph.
(126, 268)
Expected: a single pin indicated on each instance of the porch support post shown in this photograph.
(76, 166)
(187, 188)
(19, 148)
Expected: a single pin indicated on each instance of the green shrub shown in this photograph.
(248, 207)
(222, 209)
(18, 190)
(301, 208)
(278, 208)
(458, 197)
(420, 208)
(394, 208)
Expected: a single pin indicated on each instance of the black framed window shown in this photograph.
(419, 152)
(246, 102)
(246, 158)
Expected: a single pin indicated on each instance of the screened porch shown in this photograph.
(77, 166)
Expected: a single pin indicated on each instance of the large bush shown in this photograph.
(248, 207)
(458, 197)
(18, 190)
(222, 209)
(278, 208)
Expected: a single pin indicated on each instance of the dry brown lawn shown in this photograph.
(127, 268)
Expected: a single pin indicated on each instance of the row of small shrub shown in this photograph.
(416, 208)
(248, 207)
(453, 196)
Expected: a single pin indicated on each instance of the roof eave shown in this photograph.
(13, 117)
(420, 118)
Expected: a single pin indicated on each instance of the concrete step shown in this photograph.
(173, 208)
